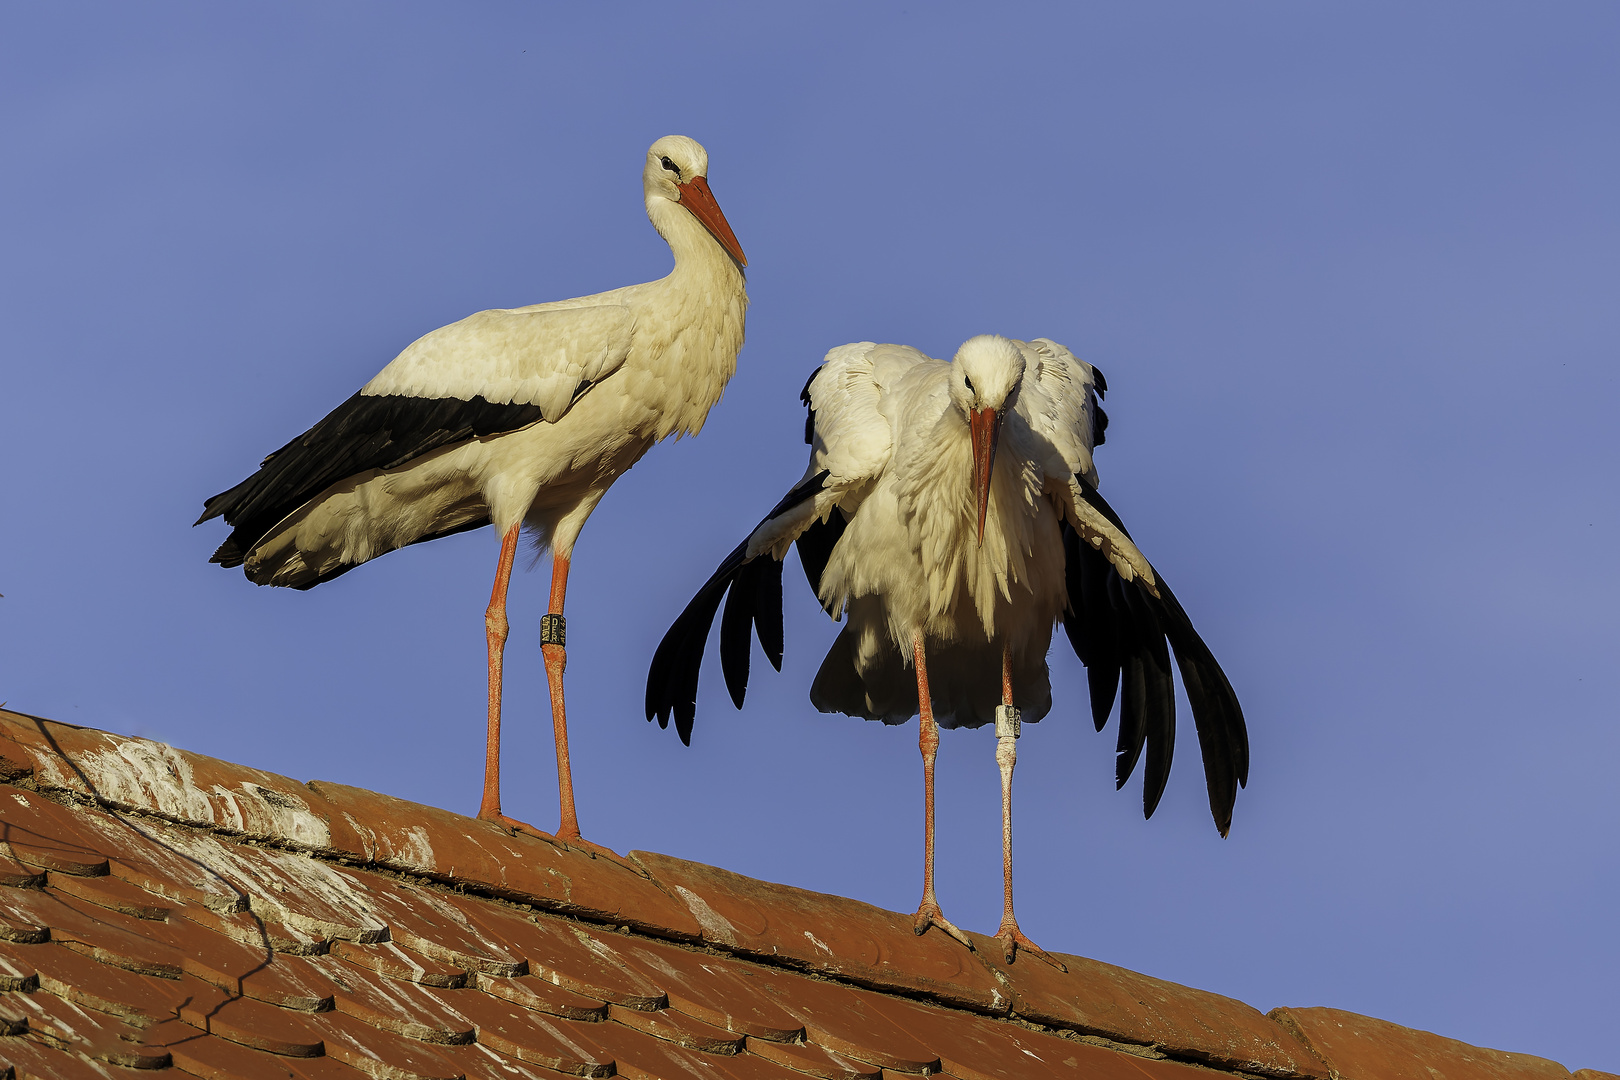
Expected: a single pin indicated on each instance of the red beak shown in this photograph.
(696, 197)
(985, 427)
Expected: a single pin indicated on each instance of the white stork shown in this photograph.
(951, 512)
(519, 416)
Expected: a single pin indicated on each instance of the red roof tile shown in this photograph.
(827, 934)
(182, 915)
(1362, 1048)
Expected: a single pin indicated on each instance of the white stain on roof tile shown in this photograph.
(140, 774)
(818, 943)
(294, 889)
(414, 847)
(159, 861)
(711, 920)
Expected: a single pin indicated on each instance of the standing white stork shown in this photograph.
(951, 511)
(520, 416)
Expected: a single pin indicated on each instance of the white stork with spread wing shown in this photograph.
(951, 512)
(511, 417)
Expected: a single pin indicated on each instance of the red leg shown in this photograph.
(495, 629)
(928, 913)
(556, 656)
(1012, 938)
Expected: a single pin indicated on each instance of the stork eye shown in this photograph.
(968, 383)
(670, 165)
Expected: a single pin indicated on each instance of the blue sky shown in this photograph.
(1351, 271)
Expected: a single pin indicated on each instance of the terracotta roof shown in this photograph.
(168, 911)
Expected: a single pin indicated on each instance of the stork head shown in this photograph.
(984, 381)
(678, 171)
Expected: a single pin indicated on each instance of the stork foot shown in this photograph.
(579, 843)
(1012, 940)
(518, 826)
(928, 914)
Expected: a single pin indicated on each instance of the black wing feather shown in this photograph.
(1125, 636)
(1160, 704)
(815, 546)
(672, 679)
(734, 638)
(809, 409)
(755, 587)
(364, 433)
(755, 600)
(1086, 571)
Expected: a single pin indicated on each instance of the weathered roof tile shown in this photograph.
(541, 996)
(114, 894)
(252, 1023)
(707, 987)
(32, 1059)
(1095, 998)
(814, 1060)
(138, 774)
(383, 1054)
(828, 934)
(427, 921)
(44, 835)
(396, 962)
(324, 933)
(434, 843)
(140, 999)
(1361, 1048)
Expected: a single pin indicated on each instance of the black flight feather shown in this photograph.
(755, 586)
(810, 410)
(755, 600)
(364, 433)
(815, 546)
(1125, 636)
(1092, 635)
(1099, 424)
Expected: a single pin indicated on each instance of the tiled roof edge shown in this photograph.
(652, 894)
(663, 897)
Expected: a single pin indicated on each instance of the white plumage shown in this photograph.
(950, 516)
(508, 417)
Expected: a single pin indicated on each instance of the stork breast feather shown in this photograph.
(513, 357)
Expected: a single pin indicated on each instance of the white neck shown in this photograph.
(698, 321)
(695, 250)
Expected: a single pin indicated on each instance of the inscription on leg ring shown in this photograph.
(553, 630)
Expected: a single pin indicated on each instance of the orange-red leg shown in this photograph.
(556, 657)
(1012, 938)
(928, 913)
(495, 631)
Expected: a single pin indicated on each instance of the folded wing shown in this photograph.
(489, 374)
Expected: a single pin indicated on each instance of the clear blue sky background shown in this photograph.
(1352, 270)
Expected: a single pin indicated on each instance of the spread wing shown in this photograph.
(1123, 621)
(851, 439)
(1059, 400)
(1124, 630)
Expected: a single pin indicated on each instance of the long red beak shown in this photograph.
(985, 427)
(696, 197)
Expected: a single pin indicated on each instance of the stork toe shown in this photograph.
(928, 914)
(1013, 939)
(518, 826)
